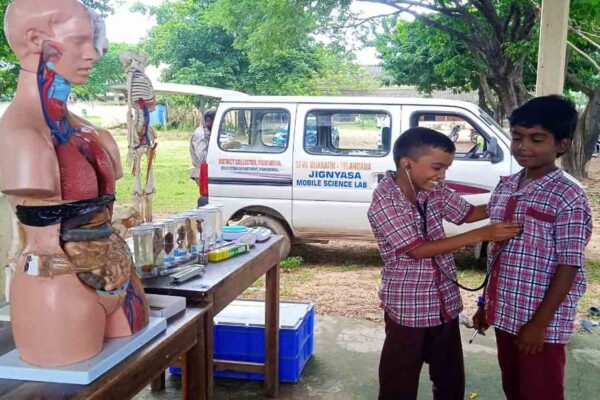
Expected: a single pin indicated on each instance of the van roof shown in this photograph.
(348, 100)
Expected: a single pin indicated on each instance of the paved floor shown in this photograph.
(344, 366)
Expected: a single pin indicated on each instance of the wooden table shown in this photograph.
(222, 283)
(184, 337)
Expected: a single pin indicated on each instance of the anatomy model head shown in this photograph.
(64, 30)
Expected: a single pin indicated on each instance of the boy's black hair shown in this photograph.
(210, 114)
(554, 113)
(414, 140)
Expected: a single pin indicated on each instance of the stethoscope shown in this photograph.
(422, 209)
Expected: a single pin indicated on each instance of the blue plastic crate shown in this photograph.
(239, 335)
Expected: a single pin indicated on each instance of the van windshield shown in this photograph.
(492, 122)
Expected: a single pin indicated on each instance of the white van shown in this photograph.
(306, 167)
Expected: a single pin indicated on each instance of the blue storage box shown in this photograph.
(239, 335)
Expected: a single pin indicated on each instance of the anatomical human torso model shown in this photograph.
(74, 283)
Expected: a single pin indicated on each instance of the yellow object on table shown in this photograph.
(227, 252)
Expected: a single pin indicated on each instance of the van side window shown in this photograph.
(347, 132)
(470, 143)
(254, 130)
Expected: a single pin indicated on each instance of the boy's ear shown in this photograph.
(563, 146)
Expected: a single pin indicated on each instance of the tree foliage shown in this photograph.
(469, 44)
(107, 71)
(437, 51)
(265, 28)
(228, 45)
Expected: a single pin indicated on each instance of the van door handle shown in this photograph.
(377, 178)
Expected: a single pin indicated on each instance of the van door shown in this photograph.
(250, 157)
(341, 152)
(482, 157)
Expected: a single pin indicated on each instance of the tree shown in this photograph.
(583, 74)
(107, 71)
(9, 68)
(201, 45)
(8, 62)
(430, 59)
(414, 53)
(194, 51)
(492, 31)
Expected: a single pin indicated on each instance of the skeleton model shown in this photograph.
(141, 137)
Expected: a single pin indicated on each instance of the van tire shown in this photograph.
(253, 221)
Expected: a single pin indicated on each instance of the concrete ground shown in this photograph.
(346, 356)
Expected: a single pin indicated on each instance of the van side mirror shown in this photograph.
(494, 151)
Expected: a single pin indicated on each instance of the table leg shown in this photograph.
(158, 383)
(193, 366)
(208, 340)
(272, 332)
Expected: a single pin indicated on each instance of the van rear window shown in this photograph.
(347, 132)
(255, 130)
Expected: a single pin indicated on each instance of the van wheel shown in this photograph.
(253, 221)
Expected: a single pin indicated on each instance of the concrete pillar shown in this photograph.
(552, 49)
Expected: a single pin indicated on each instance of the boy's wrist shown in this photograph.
(477, 235)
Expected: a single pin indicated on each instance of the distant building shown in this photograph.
(376, 73)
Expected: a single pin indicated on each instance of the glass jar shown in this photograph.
(218, 221)
(158, 243)
(169, 234)
(210, 225)
(220, 207)
(191, 232)
(199, 222)
(181, 238)
(143, 251)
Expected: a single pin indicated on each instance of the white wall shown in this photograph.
(110, 114)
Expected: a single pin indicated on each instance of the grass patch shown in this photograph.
(175, 191)
(294, 262)
(593, 271)
(592, 294)
(348, 266)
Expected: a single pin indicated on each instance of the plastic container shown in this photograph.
(143, 251)
(169, 234)
(234, 232)
(239, 335)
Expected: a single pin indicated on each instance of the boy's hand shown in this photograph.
(530, 339)
(500, 231)
(480, 321)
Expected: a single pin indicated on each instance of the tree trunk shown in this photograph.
(576, 160)
(511, 92)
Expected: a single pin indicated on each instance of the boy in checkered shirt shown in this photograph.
(420, 300)
(538, 277)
